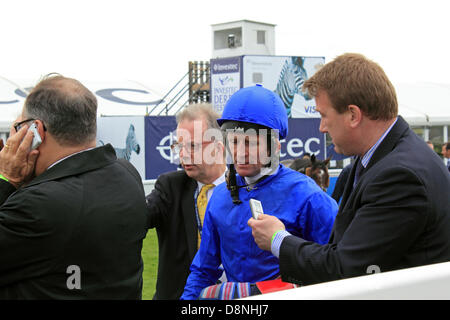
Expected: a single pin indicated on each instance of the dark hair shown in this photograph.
(66, 107)
(353, 79)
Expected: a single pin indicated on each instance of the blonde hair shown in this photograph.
(198, 110)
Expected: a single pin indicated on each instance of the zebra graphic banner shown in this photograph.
(284, 75)
(143, 140)
(127, 135)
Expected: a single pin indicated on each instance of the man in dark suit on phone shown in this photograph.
(72, 216)
(174, 206)
(395, 210)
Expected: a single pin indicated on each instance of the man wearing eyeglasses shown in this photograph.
(72, 216)
(177, 204)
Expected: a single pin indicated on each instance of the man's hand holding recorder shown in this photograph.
(263, 226)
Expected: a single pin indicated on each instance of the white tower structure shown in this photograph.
(243, 37)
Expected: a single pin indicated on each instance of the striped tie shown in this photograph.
(202, 201)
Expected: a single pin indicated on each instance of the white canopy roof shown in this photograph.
(424, 103)
(419, 103)
(114, 98)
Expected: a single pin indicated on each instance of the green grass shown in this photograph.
(150, 257)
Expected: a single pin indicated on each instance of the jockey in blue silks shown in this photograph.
(254, 120)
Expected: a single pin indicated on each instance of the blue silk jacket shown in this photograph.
(294, 198)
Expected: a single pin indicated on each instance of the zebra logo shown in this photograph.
(131, 144)
(290, 82)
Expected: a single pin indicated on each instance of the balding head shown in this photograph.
(66, 107)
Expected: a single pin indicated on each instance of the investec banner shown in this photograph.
(159, 136)
(304, 137)
(284, 75)
(225, 80)
(146, 141)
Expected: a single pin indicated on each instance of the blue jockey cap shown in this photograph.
(257, 105)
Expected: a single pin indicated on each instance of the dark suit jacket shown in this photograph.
(341, 182)
(87, 211)
(397, 216)
(171, 211)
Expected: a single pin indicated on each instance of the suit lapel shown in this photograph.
(345, 197)
(188, 209)
(349, 185)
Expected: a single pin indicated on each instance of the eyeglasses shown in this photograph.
(18, 125)
(192, 146)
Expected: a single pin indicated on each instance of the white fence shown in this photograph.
(425, 282)
(148, 185)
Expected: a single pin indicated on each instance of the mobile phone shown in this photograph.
(36, 138)
(256, 207)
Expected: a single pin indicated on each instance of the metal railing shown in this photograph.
(193, 87)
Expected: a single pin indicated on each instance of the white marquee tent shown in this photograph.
(114, 98)
(424, 104)
(421, 104)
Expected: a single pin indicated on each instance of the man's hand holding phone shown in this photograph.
(17, 162)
